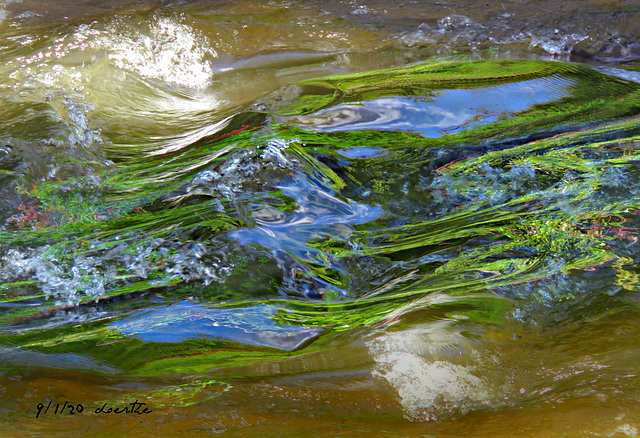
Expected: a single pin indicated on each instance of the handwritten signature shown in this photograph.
(71, 409)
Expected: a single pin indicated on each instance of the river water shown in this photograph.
(319, 218)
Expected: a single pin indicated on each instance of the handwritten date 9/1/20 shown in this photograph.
(71, 409)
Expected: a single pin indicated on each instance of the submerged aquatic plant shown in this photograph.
(330, 220)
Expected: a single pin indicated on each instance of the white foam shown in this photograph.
(427, 390)
(437, 373)
(167, 50)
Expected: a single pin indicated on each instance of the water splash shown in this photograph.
(505, 29)
(170, 51)
(89, 275)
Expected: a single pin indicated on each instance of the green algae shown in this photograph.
(541, 192)
(415, 80)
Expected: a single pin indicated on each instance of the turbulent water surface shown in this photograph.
(320, 218)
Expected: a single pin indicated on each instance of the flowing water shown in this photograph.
(319, 218)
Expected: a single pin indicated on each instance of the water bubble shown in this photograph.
(452, 22)
(360, 10)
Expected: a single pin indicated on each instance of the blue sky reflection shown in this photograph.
(445, 112)
(251, 325)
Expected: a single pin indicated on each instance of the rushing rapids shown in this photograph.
(449, 240)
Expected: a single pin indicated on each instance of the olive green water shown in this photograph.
(319, 219)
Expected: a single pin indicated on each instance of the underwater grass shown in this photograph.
(517, 200)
